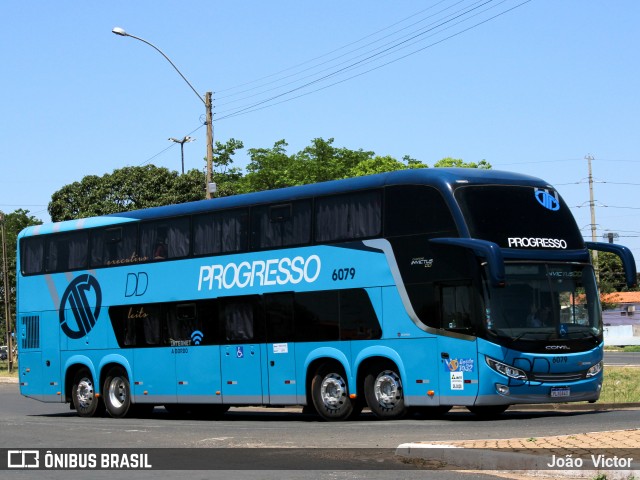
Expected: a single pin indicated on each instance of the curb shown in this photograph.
(8, 379)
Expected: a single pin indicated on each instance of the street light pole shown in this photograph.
(210, 186)
(186, 139)
(5, 284)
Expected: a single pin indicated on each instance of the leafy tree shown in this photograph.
(14, 223)
(127, 188)
(225, 176)
(457, 162)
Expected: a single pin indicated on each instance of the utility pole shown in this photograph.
(592, 206)
(5, 282)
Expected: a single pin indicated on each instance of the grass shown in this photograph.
(620, 385)
(628, 348)
(4, 367)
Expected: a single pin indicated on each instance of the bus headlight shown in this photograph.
(504, 369)
(595, 370)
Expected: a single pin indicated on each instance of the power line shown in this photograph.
(254, 107)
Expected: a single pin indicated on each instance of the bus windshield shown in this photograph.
(544, 302)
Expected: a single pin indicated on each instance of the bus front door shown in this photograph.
(282, 373)
(458, 372)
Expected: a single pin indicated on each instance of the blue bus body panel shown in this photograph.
(550, 365)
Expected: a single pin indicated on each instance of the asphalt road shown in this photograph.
(28, 424)
(622, 359)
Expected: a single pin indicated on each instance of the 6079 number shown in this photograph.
(343, 274)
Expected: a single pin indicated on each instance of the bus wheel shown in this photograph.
(488, 411)
(329, 393)
(383, 391)
(83, 395)
(117, 393)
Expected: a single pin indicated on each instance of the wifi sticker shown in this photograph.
(196, 337)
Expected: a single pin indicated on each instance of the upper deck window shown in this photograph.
(417, 209)
(281, 225)
(165, 239)
(349, 216)
(32, 258)
(67, 252)
(220, 232)
(114, 246)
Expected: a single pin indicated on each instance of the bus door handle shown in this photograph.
(273, 364)
(444, 355)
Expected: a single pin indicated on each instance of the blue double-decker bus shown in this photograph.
(411, 290)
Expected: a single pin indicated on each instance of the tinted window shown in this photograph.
(114, 246)
(417, 209)
(32, 255)
(317, 316)
(350, 216)
(278, 309)
(281, 225)
(358, 320)
(507, 215)
(165, 239)
(220, 232)
(67, 251)
(240, 319)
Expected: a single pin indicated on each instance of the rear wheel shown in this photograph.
(330, 393)
(117, 393)
(384, 393)
(488, 411)
(83, 394)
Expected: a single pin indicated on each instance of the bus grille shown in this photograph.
(556, 377)
(31, 329)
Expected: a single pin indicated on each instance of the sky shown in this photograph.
(529, 86)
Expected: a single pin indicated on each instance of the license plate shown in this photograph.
(557, 392)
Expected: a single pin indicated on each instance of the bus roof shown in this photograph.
(442, 178)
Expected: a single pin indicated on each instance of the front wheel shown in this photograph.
(117, 393)
(330, 394)
(384, 393)
(83, 394)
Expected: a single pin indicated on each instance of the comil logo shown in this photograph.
(547, 200)
(77, 300)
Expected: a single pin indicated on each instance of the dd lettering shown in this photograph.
(137, 284)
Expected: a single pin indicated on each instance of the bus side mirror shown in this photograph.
(628, 262)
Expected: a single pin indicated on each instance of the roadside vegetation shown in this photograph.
(621, 385)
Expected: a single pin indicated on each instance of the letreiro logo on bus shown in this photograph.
(275, 271)
(547, 200)
(76, 301)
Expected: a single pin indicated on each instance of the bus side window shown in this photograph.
(165, 239)
(238, 317)
(455, 307)
(32, 257)
(358, 320)
(279, 317)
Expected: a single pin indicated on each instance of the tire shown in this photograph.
(383, 392)
(488, 411)
(117, 393)
(83, 394)
(330, 395)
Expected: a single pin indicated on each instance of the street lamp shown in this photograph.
(5, 285)
(210, 186)
(186, 139)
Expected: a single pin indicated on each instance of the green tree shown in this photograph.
(226, 177)
(459, 163)
(127, 188)
(14, 223)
